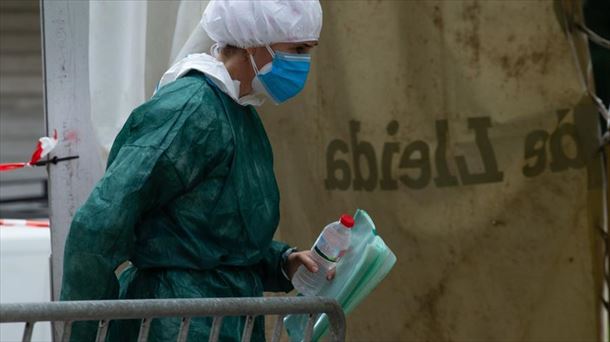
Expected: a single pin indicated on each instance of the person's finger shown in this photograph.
(309, 263)
(330, 275)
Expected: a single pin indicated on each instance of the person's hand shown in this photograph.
(296, 259)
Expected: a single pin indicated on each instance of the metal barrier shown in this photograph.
(106, 310)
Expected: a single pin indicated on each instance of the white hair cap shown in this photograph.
(257, 23)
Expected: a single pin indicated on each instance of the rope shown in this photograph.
(571, 26)
(594, 37)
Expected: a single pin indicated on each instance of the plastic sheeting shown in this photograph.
(24, 273)
(132, 44)
(460, 126)
(366, 263)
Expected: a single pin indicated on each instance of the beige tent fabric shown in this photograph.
(460, 126)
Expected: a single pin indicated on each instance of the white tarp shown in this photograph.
(132, 44)
(24, 275)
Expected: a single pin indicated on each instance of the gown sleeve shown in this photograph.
(270, 269)
(140, 177)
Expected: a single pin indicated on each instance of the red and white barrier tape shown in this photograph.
(43, 148)
(24, 223)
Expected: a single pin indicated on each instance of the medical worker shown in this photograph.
(189, 195)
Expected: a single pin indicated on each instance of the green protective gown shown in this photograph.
(190, 198)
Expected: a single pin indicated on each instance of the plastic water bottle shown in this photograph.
(328, 249)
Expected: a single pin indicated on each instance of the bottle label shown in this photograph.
(326, 257)
(326, 251)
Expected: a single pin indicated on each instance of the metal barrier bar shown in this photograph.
(147, 309)
(277, 329)
(215, 331)
(27, 332)
(309, 328)
(144, 329)
(102, 330)
(184, 329)
(247, 333)
(67, 331)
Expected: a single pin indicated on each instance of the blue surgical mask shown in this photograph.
(284, 77)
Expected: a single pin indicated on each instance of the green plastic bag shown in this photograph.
(367, 261)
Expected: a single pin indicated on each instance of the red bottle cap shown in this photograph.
(347, 221)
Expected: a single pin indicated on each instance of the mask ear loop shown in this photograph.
(271, 52)
(253, 65)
